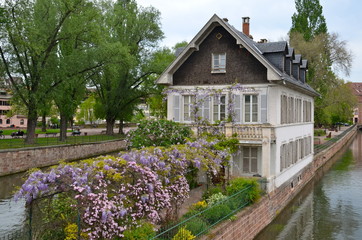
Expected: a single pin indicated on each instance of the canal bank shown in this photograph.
(20, 160)
(255, 218)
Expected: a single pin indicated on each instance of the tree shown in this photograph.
(326, 54)
(31, 36)
(130, 35)
(309, 19)
(86, 110)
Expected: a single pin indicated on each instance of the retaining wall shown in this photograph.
(255, 218)
(19, 160)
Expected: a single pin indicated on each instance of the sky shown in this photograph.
(270, 19)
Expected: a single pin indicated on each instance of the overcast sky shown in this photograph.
(270, 19)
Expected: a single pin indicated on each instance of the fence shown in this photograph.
(199, 223)
(320, 147)
(51, 141)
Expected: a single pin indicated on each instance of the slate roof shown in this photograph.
(272, 47)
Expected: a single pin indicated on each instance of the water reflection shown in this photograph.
(13, 214)
(330, 207)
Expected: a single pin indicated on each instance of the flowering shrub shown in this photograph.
(183, 234)
(158, 133)
(114, 194)
(215, 198)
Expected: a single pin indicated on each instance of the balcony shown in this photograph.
(244, 132)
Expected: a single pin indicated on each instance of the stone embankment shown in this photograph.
(19, 160)
(253, 219)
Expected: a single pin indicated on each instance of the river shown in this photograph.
(330, 207)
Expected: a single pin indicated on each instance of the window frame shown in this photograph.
(250, 109)
(217, 102)
(191, 100)
(221, 66)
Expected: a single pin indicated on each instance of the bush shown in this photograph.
(216, 213)
(236, 185)
(211, 191)
(196, 226)
(319, 132)
(215, 198)
(191, 177)
(183, 234)
(143, 232)
(158, 133)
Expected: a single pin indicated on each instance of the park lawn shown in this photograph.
(52, 141)
(37, 131)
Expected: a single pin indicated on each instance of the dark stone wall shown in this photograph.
(241, 66)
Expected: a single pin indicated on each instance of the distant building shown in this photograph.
(357, 91)
(5, 108)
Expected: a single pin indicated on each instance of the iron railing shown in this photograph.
(320, 147)
(201, 222)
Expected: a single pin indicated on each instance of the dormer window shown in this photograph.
(218, 63)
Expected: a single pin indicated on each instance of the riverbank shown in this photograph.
(253, 219)
(20, 160)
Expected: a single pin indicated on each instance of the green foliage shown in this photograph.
(215, 198)
(216, 213)
(191, 177)
(238, 184)
(309, 19)
(197, 225)
(143, 232)
(319, 132)
(158, 133)
(183, 234)
(211, 191)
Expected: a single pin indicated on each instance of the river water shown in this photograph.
(330, 207)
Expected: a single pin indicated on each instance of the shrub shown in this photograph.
(183, 234)
(216, 213)
(191, 177)
(196, 226)
(143, 232)
(215, 198)
(319, 132)
(236, 185)
(211, 191)
(158, 133)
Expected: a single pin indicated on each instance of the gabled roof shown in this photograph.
(256, 49)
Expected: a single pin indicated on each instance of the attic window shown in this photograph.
(218, 63)
(218, 36)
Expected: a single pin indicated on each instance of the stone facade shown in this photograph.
(255, 218)
(19, 160)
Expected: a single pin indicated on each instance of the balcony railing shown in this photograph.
(242, 132)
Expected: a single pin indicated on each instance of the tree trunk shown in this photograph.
(110, 125)
(121, 125)
(63, 127)
(30, 128)
(43, 123)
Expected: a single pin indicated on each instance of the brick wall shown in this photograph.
(255, 218)
(19, 160)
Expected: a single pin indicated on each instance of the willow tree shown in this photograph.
(130, 36)
(30, 37)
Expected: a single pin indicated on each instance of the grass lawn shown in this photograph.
(49, 141)
(37, 131)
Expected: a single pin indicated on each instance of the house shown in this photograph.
(357, 91)
(5, 108)
(258, 88)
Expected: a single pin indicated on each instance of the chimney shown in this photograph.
(225, 19)
(246, 29)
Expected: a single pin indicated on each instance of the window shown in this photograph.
(219, 108)
(21, 121)
(189, 101)
(250, 159)
(251, 108)
(7, 121)
(219, 62)
(204, 109)
(1, 121)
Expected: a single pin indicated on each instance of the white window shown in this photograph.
(219, 108)
(251, 108)
(204, 111)
(250, 159)
(189, 101)
(219, 62)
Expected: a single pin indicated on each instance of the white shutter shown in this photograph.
(237, 108)
(176, 108)
(206, 108)
(264, 108)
